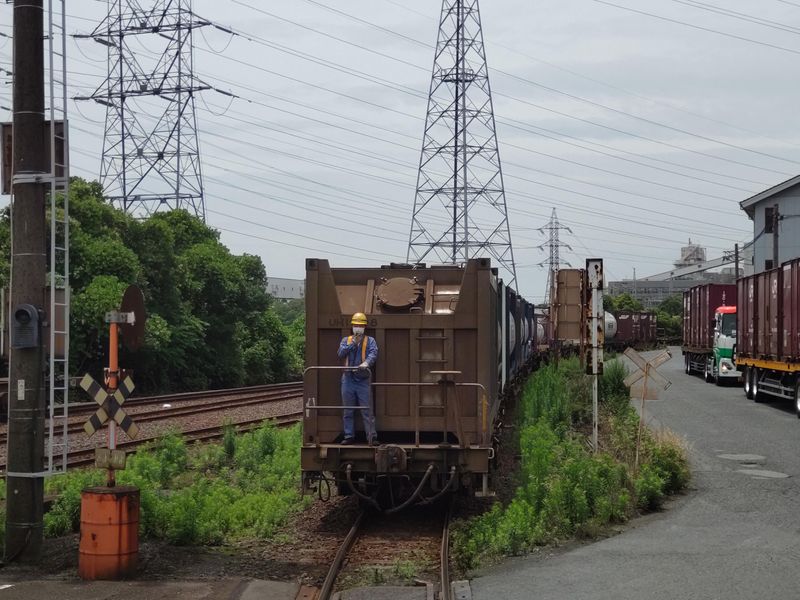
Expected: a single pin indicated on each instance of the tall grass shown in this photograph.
(208, 494)
(565, 490)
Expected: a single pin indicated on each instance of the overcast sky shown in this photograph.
(642, 132)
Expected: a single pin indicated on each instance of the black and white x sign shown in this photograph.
(110, 405)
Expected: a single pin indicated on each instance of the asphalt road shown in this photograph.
(735, 534)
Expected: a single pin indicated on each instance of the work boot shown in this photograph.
(373, 441)
(348, 441)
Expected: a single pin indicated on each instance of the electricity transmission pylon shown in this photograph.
(554, 245)
(151, 158)
(460, 204)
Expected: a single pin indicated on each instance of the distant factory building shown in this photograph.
(286, 289)
(761, 210)
(689, 271)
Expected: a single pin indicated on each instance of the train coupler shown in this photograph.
(390, 459)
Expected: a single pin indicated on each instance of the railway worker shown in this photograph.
(361, 351)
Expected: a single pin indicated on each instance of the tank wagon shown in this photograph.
(768, 342)
(451, 339)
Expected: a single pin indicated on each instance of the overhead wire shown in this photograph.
(699, 27)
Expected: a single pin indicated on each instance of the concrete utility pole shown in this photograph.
(24, 493)
(775, 236)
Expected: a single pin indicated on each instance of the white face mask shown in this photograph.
(358, 330)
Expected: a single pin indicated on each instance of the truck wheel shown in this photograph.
(758, 396)
(687, 364)
(797, 397)
(707, 368)
(748, 382)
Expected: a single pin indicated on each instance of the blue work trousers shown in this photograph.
(355, 392)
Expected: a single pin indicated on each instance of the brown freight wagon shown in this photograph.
(637, 329)
(704, 350)
(441, 333)
(768, 321)
(567, 314)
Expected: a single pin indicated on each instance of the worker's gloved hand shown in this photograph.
(363, 366)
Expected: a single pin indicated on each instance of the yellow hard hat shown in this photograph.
(359, 319)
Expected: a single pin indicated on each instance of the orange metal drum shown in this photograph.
(109, 546)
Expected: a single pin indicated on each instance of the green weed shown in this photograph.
(564, 489)
(194, 496)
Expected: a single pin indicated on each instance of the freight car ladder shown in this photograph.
(58, 273)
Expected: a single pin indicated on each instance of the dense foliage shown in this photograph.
(210, 322)
(563, 489)
(622, 301)
(670, 316)
(669, 313)
(203, 494)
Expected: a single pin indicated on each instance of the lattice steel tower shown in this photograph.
(460, 204)
(151, 159)
(554, 245)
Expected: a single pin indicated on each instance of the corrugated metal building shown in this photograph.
(286, 289)
(760, 209)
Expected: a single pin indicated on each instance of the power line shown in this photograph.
(700, 27)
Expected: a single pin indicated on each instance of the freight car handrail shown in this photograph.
(312, 405)
(482, 408)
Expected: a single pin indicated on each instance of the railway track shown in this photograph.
(85, 457)
(368, 530)
(263, 394)
(81, 408)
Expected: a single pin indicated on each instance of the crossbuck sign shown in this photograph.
(646, 381)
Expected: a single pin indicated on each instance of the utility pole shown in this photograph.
(736, 261)
(775, 237)
(24, 481)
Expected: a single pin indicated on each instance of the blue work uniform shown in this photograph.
(355, 384)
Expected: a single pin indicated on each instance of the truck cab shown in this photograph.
(722, 365)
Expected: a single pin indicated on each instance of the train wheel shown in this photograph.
(748, 382)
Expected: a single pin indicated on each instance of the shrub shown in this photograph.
(668, 457)
(613, 392)
(649, 486)
(64, 515)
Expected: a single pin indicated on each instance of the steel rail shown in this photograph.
(445, 592)
(336, 566)
(164, 414)
(88, 407)
(85, 456)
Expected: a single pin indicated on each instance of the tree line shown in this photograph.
(211, 322)
(669, 312)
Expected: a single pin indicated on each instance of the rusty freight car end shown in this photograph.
(447, 336)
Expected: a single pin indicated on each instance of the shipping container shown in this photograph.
(566, 311)
(769, 324)
(709, 334)
(635, 329)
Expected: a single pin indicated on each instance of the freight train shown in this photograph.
(453, 339)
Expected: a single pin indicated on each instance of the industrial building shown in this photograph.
(286, 289)
(761, 209)
(690, 269)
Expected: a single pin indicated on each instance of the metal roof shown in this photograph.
(749, 204)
